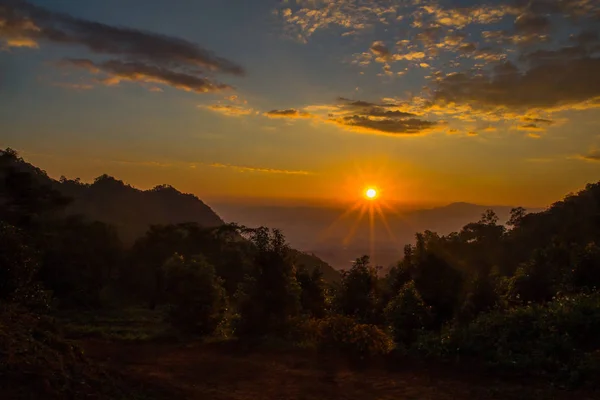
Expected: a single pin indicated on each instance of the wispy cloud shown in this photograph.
(592, 156)
(262, 170)
(229, 110)
(142, 56)
(289, 113)
(117, 71)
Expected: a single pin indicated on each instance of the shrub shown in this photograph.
(18, 271)
(407, 314)
(345, 335)
(197, 300)
(559, 339)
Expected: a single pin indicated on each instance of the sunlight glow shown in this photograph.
(371, 193)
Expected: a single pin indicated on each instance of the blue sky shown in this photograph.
(490, 102)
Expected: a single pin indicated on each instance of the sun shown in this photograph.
(371, 193)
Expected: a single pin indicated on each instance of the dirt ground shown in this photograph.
(207, 372)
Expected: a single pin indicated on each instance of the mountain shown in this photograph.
(132, 211)
(339, 237)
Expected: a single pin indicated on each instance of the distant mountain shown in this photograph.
(336, 237)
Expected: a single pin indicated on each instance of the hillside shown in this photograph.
(129, 209)
(132, 211)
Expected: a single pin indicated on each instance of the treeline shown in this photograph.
(521, 296)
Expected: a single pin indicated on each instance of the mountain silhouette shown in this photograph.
(132, 211)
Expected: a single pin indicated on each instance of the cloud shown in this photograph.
(554, 80)
(406, 126)
(261, 169)
(532, 23)
(136, 71)
(530, 128)
(351, 16)
(75, 86)
(289, 113)
(229, 110)
(148, 56)
(387, 117)
(462, 16)
(414, 55)
(381, 52)
(593, 156)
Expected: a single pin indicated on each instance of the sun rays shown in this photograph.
(375, 193)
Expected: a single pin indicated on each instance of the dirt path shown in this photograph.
(202, 372)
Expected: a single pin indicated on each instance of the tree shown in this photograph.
(313, 296)
(407, 314)
(270, 296)
(78, 260)
(358, 294)
(195, 295)
(516, 216)
(437, 281)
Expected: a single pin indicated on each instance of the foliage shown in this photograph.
(79, 260)
(407, 314)
(559, 339)
(270, 296)
(313, 295)
(358, 294)
(196, 298)
(344, 335)
(18, 271)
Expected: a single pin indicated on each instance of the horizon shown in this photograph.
(432, 102)
(255, 202)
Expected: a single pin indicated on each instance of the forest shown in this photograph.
(518, 298)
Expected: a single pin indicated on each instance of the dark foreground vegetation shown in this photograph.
(193, 311)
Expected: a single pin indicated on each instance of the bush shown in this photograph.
(18, 271)
(407, 314)
(196, 298)
(346, 336)
(559, 340)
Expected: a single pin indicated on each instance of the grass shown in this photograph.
(129, 324)
(36, 361)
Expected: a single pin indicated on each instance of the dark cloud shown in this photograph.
(531, 23)
(140, 72)
(289, 113)
(381, 52)
(387, 125)
(347, 103)
(586, 37)
(553, 79)
(538, 120)
(571, 8)
(530, 127)
(467, 48)
(177, 61)
(377, 118)
(593, 155)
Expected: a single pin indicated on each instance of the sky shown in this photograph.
(429, 101)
